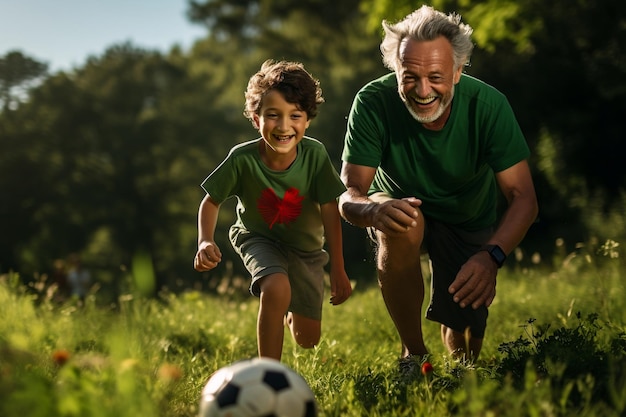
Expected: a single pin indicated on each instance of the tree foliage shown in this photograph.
(107, 158)
(494, 21)
(17, 71)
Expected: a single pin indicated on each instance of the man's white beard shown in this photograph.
(427, 119)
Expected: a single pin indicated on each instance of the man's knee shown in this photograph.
(400, 251)
(410, 240)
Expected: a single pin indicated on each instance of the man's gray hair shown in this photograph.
(426, 24)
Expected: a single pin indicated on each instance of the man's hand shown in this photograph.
(475, 284)
(207, 257)
(393, 216)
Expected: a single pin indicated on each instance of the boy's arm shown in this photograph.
(340, 288)
(208, 255)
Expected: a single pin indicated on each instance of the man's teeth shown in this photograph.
(426, 100)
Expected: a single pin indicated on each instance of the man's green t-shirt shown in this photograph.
(451, 170)
(283, 206)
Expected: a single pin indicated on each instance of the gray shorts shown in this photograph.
(448, 248)
(305, 270)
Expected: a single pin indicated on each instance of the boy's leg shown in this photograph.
(274, 302)
(305, 331)
(306, 273)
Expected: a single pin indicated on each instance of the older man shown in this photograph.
(426, 149)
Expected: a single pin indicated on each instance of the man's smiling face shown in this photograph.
(426, 79)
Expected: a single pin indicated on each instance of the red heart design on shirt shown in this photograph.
(274, 210)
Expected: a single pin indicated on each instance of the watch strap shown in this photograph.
(496, 253)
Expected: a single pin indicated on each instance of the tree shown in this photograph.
(252, 19)
(107, 160)
(566, 87)
(77, 154)
(18, 72)
(493, 21)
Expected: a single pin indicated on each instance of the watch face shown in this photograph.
(498, 254)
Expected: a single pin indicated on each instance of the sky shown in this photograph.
(64, 33)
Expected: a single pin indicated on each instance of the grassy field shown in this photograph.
(556, 346)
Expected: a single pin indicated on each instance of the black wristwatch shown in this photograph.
(497, 254)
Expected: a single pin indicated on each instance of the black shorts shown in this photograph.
(449, 248)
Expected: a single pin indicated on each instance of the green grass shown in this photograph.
(555, 346)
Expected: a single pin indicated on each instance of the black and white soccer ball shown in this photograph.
(259, 387)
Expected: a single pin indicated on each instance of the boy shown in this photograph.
(286, 189)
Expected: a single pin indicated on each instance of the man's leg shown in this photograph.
(448, 249)
(402, 285)
(461, 345)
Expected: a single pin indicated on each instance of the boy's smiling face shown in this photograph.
(282, 126)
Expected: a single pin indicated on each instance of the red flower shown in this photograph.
(169, 373)
(427, 368)
(274, 210)
(60, 356)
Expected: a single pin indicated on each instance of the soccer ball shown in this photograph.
(257, 387)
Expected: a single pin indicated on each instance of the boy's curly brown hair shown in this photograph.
(289, 78)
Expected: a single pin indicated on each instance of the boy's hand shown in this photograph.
(207, 257)
(340, 288)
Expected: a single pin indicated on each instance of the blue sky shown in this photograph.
(64, 33)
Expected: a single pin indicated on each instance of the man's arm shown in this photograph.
(475, 283)
(354, 204)
(517, 186)
(387, 215)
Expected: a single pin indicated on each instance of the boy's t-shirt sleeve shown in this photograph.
(327, 185)
(222, 182)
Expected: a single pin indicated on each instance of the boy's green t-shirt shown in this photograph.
(283, 206)
(451, 170)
